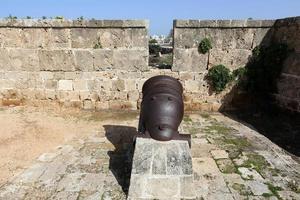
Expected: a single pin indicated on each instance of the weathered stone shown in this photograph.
(219, 154)
(56, 60)
(83, 60)
(80, 85)
(247, 173)
(258, 188)
(131, 60)
(65, 85)
(189, 60)
(159, 165)
(167, 187)
(84, 38)
(103, 59)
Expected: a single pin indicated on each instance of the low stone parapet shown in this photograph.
(161, 170)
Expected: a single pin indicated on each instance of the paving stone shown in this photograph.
(219, 154)
(202, 150)
(257, 187)
(205, 165)
(251, 174)
(162, 187)
(288, 195)
(226, 166)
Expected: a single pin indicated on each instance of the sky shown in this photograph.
(161, 13)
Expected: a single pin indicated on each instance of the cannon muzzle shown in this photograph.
(162, 109)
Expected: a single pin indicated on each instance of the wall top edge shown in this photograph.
(64, 23)
(192, 23)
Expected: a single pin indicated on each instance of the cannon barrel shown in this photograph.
(162, 109)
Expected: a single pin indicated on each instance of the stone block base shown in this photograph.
(161, 170)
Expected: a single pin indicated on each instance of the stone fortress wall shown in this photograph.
(232, 45)
(102, 64)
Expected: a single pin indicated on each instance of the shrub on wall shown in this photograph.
(204, 46)
(219, 75)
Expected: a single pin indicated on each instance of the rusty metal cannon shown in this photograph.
(162, 109)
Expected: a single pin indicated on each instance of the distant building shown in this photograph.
(162, 40)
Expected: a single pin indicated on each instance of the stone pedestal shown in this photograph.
(161, 170)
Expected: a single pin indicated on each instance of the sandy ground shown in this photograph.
(27, 132)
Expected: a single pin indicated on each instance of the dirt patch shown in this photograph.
(27, 132)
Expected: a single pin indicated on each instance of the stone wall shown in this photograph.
(288, 31)
(102, 64)
(82, 63)
(232, 45)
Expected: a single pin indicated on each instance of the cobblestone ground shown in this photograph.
(230, 161)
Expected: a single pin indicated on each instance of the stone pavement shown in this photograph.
(230, 161)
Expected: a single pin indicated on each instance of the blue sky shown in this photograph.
(160, 12)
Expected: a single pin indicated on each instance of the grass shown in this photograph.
(226, 166)
(241, 188)
(187, 118)
(205, 115)
(294, 186)
(257, 162)
(218, 128)
(274, 190)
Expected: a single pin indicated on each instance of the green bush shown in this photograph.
(204, 46)
(153, 41)
(239, 73)
(154, 48)
(219, 75)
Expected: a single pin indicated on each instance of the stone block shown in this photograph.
(102, 59)
(118, 85)
(101, 105)
(161, 170)
(23, 60)
(163, 188)
(131, 60)
(233, 58)
(262, 36)
(59, 38)
(80, 85)
(189, 60)
(219, 154)
(130, 84)
(84, 38)
(34, 38)
(10, 37)
(135, 37)
(188, 37)
(88, 105)
(65, 85)
(244, 38)
(111, 38)
(83, 60)
(191, 86)
(133, 95)
(56, 60)
(50, 84)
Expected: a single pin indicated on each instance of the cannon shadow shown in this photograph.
(120, 161)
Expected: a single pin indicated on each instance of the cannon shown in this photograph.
(162, 109)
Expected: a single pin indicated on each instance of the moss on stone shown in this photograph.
(242, 189)
(256, 161)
